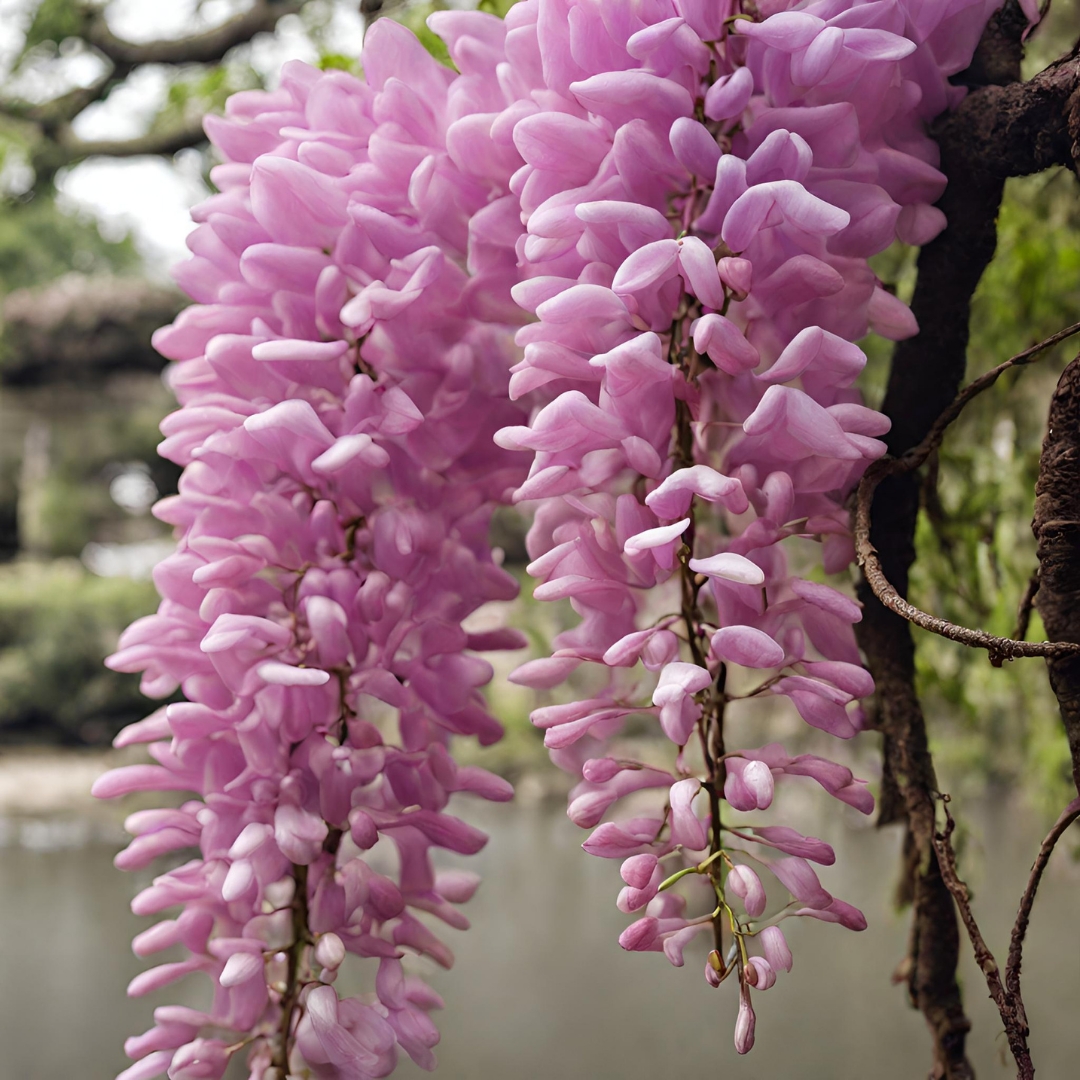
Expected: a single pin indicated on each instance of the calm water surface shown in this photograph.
(542, 990)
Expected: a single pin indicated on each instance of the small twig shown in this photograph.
(936, 434)
(1027, 602)
(1023, 916)
(1009, 1003)
(999, 648)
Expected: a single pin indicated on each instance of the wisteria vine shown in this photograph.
(678, 199)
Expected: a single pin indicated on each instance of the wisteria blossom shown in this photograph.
(674, 201)
(340, 378)
(701, 192)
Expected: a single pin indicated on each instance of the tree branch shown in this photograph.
(1023, 916)
(999, 648)
(1056, 526)
(160, 141)
(1010, 1005)
(206, 48)
(1023, 610)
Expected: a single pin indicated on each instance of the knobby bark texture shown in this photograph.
(1056, 526)
(1003, 128)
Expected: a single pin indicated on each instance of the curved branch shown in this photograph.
(206, 48)
(1023, 916)
(999, 648)
(1024, 608)
(164, 141)
(1009, 1003)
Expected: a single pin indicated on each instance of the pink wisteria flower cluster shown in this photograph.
(675, 201)
(341, 379)
(701, 194)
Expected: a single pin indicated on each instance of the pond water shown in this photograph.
(541, 989)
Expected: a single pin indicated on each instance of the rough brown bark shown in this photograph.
(1057, 531)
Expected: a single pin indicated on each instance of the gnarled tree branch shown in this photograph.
(1056, 526)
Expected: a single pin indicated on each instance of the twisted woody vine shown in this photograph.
(610, 267)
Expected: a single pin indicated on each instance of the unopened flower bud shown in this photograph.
(746, 885)
(775, 947)
(744, 1022)
(330, 951)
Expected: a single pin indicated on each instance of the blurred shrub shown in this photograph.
(57, 624)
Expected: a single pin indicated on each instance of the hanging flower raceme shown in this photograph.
(701, 192)
(679, 199)
(341, 378)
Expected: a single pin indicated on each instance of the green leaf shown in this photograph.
(53, 21)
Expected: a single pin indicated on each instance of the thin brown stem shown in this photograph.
(293, 981)
(1024, 608)
(1009, 1004)
(1023, 915)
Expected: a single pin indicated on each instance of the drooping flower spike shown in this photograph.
(340, 378)
(695, 259)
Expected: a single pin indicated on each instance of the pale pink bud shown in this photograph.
(637, 870)
(239, 968)
(600, 770)
(640, 935)
(746, 885)
(659, 650)
(737, 274)
(330, 951)
(744, 1022)
(775, 947)
(746, 646)
(730, 567)
(686, 827)
(758, 779)
(203, 1059)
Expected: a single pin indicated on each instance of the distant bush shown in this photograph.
(57, 624)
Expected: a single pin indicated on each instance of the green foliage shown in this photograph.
(39, 242)
(496, 7)
(52, 22)
(415, 18)
(339, 62)
(199, 91)
(57, 624)
(74, 506)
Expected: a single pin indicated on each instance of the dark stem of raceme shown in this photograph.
(294, 955)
